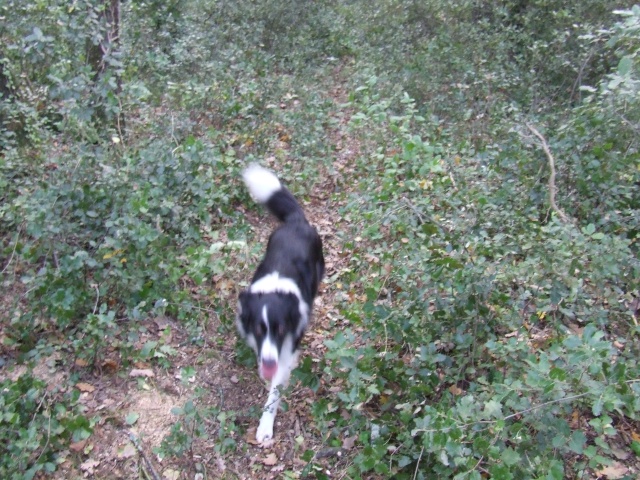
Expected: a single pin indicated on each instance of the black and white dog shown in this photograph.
(273, 313)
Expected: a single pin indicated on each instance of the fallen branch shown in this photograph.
(136, 443)
(552, 174)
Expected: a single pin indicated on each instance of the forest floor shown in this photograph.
(134, 406)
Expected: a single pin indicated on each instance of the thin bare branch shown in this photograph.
(552, 174)
(147, 461)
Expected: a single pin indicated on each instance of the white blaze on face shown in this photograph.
(268, 351)
(274, 283)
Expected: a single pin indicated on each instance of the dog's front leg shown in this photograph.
(265, 429)
(287, 363)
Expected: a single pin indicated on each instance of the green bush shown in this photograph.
(462, 354)
(34, 426)
(487, 336)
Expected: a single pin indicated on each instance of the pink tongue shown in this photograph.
(269, 370)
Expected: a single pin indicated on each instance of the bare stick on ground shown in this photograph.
(136, 443)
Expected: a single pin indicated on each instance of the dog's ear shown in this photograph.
(292, 311)
(242, 306)
(243, 302)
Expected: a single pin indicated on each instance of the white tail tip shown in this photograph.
(262, 183)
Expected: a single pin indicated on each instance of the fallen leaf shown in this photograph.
(127, 451)
(138, 372)
(267, 444)
(251, 437)
(613, 471)
(234, 379)
(89, 466)
(270, 460)
(349, 442)
(161, 322)
(171, 474)
(619, 453)
(81, 362)
(85, 387)
(455, 390)
(575, 419)
(78, 446)
(110, 366)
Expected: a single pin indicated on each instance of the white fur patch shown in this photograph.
(273, 283)
(269, 351)
(251, 341)
(262, 183)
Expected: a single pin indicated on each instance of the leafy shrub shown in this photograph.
(487, 337)
(461, 358)
(100, 229)
(35, 425)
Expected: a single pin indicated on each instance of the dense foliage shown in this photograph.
(491, 213)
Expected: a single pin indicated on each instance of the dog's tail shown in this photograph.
(266, 189)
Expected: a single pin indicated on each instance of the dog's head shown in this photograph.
(268, 321)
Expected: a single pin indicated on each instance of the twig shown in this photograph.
(578, 81)
(414, 210)
(136, 443)
(552, 174)
(508, 417)
(415, 473)
(12, 252)
(95, 307)
(629, 124)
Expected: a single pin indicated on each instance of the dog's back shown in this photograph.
(295, 248)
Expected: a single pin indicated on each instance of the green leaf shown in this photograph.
(556, 470)
(373, 389)
(557, 374)
(132, 418)
(147, 348)
(308, 455)
(596, 409)
(625, 65)
(493, 409)
(577, 442)
(500, 472)
(510, 457)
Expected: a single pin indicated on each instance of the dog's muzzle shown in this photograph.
(268, 368)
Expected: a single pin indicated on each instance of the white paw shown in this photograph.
(265, 429)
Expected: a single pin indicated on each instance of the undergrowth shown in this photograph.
(491, 333)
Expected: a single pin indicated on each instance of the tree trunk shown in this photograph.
(97, 54)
